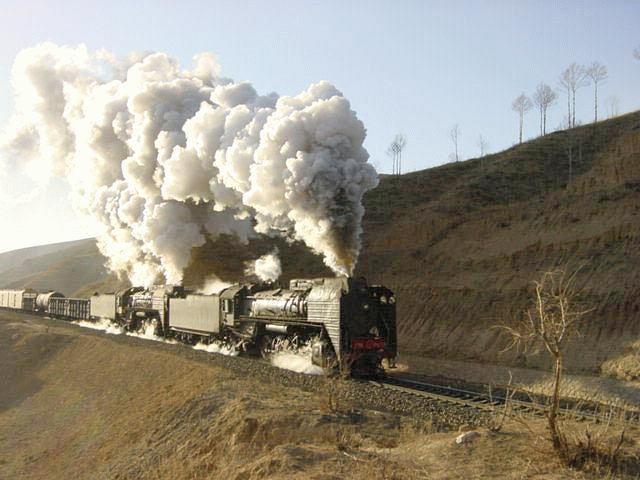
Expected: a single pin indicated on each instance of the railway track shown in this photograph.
(594, 412)
(482, 401)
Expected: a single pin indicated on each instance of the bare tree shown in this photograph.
(395, 152)
(573, 78)
(521, 105)
(551, 322)
(454, 133)
(569, 146)
(544, 97)
(597, 73)
(483, 145)
(613, 106)
(391, 153)
(401, 142)
(564, 83)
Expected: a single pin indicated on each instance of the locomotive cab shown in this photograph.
(369, 325)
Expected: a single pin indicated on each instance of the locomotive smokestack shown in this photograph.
(163, 156)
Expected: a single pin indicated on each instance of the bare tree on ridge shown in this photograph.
(395, 152)
(454, 134)
(573, 78)
(544, 97)
(597, 73)
(521, 105)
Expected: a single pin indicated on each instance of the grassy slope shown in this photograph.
(461, 243)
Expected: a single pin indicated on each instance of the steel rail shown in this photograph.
(490, 402)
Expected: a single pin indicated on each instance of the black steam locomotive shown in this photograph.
(349, 324)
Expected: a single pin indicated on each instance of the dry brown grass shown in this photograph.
(104, 409)
(604, 448)
(608, 448)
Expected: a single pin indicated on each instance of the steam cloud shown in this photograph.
(163, 157)
(266, 268)
(213, 285)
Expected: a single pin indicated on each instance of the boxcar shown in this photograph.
(18, 299)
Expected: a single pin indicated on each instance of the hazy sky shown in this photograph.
(415, 67)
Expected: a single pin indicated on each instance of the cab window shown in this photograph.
(227, 305)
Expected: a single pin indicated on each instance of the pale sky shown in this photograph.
(415, 67)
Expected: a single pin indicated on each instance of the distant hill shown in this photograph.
(460, 245)
(14, 258)
(65, 266)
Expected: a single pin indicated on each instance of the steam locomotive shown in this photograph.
(348, 323)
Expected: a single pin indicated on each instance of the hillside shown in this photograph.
(461, 243)
(63, 266)
(15, 258)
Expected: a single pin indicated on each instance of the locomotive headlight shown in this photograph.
(392, 299)
(365, 306)
(383, 299)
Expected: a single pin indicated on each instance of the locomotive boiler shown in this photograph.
(347, 321)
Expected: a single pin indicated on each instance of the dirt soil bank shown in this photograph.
(76, 403)
(460, 244)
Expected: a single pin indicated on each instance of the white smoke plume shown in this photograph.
(267, 268)
(164, 157)
(213, 285)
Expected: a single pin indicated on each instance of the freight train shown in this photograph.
(348, 323)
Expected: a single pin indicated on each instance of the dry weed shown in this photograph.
(500, 413)
(604, 448)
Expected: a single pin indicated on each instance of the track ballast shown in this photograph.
(581, 411)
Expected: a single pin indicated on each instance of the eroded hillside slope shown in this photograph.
(15, 258)
(461, 244)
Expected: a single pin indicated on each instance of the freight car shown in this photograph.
(18, 299)
(50, 303)
(42, 300)
(63, 307)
